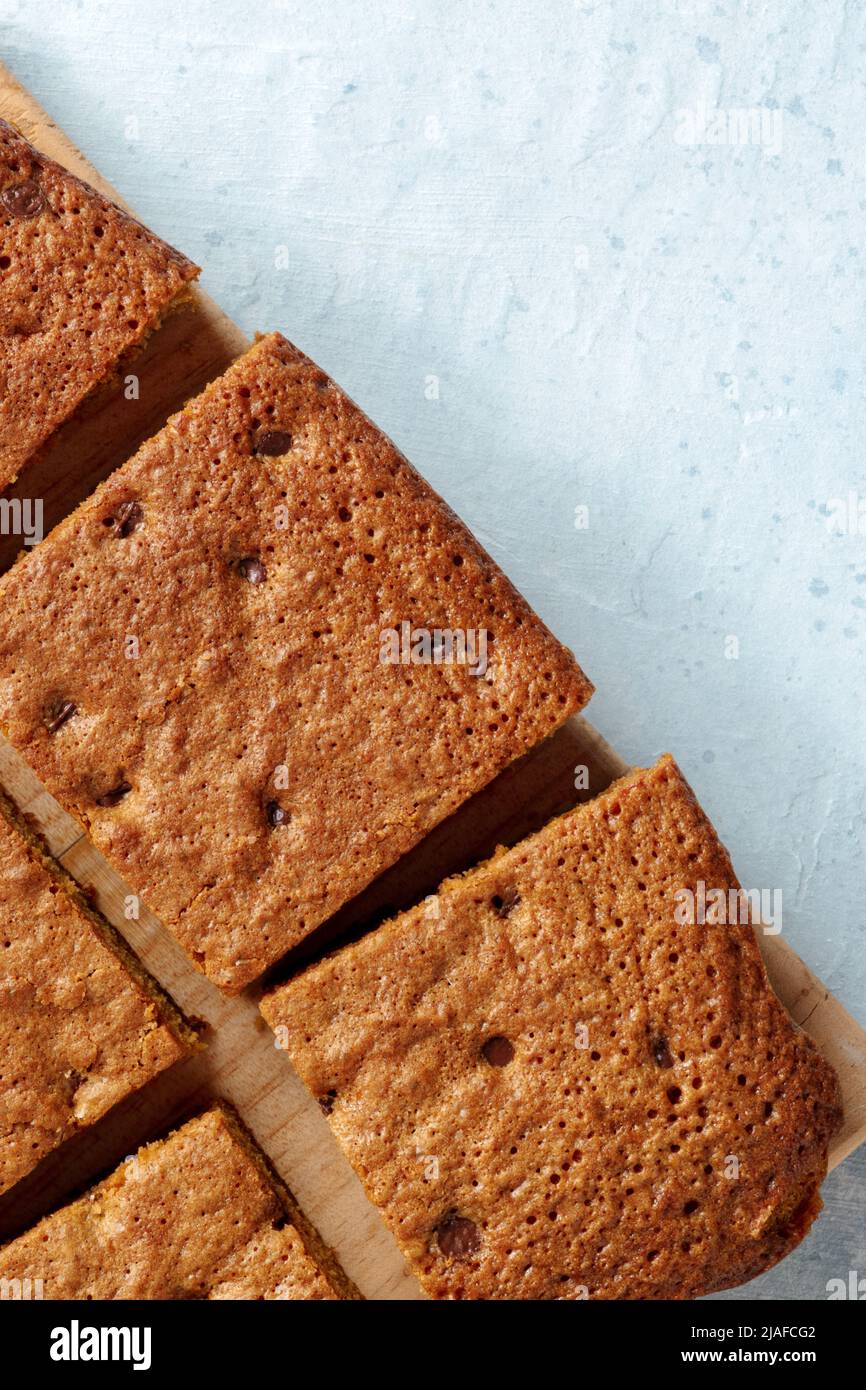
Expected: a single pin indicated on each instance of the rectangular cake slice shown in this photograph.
(556, 1086)
(82, 1024)
(264, 659)
(198, 1215)
(81, 284)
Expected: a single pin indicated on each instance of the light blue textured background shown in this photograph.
(495, 195)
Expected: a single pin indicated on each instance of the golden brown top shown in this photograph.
(191, 1216)
(192, 663)
(77, 1030)
(81, 282)
(553, 1088)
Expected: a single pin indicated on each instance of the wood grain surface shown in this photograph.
(240, 1061)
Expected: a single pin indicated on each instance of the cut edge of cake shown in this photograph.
(165, 1011)
(318, 1251)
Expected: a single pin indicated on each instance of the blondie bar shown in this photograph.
(557, 1082)
(198, 1215)
(81, 284)
(264, 659)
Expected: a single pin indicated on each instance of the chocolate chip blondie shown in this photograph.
(81, 284)
(558, 1082)
(199, 1215)
(265, 659)
(81, 1022)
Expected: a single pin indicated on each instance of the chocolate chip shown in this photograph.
(111, 798)
(498, 1051)
(457, 1236)
(71, 1083)
(661, 1052)
(276, 814)
(273, 443)
(252, 569)
(23, 199)
(326, 1102)
(128, 517)
(58, 714)
(505, 903)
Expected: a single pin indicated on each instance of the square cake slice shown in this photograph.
(82, 1024)
(555, 1086)
(264, 659)
(81, 284)
(199, 1215)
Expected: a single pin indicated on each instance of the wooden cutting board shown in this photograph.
(240, 1062)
